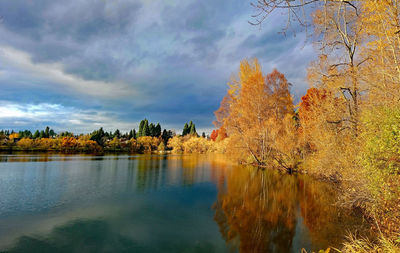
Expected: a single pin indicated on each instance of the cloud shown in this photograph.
(54, 73)
(61, 118)
(168, 61)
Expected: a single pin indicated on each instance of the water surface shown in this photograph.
(162, 203)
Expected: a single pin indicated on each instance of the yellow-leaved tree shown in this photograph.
(260, 123)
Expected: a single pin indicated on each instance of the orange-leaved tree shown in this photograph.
(259, 117)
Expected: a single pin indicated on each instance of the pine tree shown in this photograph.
(152, 129)
(185, 129)
(146, 128)
(141, 125)
(192, 130)
(203, 135)
(164, 136)
(117, 134)
(36, 134)
(158, 130)
(98, 136)
(47, 132)
(42, 134)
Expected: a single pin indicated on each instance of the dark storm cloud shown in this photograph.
(165, 60)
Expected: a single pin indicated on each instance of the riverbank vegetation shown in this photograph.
(346, 128)
(149, 138)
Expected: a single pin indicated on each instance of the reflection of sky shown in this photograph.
(131, 195)
(144, 203)
(37, 186)
(80, 64)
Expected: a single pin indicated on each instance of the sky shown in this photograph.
(80, 65)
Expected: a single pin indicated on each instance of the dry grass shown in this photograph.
(357, 245)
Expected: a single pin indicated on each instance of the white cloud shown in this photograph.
(33, 116)
(54, 73)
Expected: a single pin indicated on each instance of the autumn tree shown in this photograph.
(214, 134)
(259, 108)
(350, 118)
(218, 134)
(381, 25)
(223, 111)
(13, 136)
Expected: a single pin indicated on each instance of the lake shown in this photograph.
(162, 203)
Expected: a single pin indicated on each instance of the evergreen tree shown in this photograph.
(47, 132)
(36, 134)
(117, 134)
(52, 133)
(134, 135)
(146, 128)
(192, 128)
(158, 130)
(166, 135)
(141, 126)
(42, 134)
(152, 129)
(98, 136)
(203, 135)
(25, 134)
(185, 129)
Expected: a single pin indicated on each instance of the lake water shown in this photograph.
(162, 203)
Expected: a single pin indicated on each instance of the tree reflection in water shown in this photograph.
(163, 202)
(261, 211)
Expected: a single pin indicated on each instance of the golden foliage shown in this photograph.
(14, 135)
(26, 143)
(176, 144)
(260, 122)
(148, 143)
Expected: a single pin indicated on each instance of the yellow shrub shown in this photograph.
(176, 144)
(196, 145)
(26, 143)
(148, 143)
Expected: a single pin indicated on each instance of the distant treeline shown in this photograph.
(148, 138)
